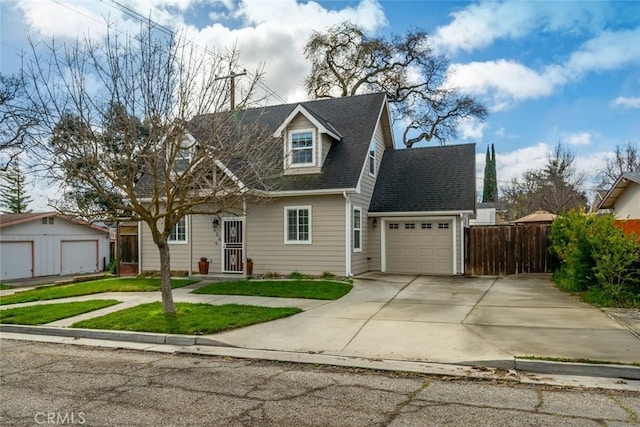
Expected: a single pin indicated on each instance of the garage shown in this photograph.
(79, 257)
(16, 259)
(419, 246)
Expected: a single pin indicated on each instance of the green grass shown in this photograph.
(312, 289)
(44, 293)
(3, 287)
(45, 313)
(191, 319)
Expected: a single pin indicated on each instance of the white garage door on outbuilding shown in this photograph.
(16, 259)
(420, 246)
(79, 257)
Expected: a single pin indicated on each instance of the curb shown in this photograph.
(627, 372)
(137, 337)
(507, 369)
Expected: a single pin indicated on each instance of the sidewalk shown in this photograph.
(413, 322)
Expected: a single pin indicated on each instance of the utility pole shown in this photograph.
(232, 89)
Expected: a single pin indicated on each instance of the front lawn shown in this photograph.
(3, 287)
(126, 284)
(311, 289)
(45, 313)
(191, 319)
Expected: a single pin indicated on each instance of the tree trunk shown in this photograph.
(165, 279)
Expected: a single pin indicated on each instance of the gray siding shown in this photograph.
(266, 228)
(364, 261)
(202, 240)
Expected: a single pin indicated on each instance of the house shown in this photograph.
(347, 201)
(46, 244)
(624, 197)
(489, 213)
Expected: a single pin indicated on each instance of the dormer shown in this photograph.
(307, 139)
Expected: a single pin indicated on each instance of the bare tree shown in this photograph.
(554, 188)
(626, 159)
(345, 62)
(126, 119)
(17, 120)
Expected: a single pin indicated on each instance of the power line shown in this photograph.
(141, 18)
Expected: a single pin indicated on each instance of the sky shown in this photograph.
(548, 72)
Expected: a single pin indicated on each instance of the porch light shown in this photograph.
(215, 223)
(374, 223)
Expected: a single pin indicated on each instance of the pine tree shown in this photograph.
(490, 186)
(13, 194)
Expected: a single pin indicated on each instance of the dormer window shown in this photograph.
(372, 159)
(301, 148)
(183, 158)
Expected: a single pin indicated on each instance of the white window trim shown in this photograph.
(189, 144)
(186, 233)
(286, 226)
(289, 148)
(373, 145)
(353, 229)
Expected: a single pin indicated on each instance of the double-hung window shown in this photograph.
(297, 224)
(301, 148)
(357, 229)
(179, 232)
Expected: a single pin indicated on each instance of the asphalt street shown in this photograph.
(46, 384)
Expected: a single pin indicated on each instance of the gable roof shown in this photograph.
(320, 123)
(618, 188)
(430, 179)
(353, 119)
(8, 220)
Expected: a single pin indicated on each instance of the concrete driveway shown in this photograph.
(448, 320)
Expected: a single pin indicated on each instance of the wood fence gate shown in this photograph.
(507, 249)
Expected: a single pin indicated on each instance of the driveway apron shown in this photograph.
(448, 320)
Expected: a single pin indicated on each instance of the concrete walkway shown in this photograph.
(484, 321)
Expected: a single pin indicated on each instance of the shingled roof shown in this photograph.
(430, 179)
(354, 118)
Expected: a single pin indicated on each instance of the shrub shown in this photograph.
(295, 275)
(596, 256)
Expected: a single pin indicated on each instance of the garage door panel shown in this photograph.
(79, 256)
(414, 249)
(16, 259)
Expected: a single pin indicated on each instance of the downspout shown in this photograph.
(190, 262)
(347, 235)
(244, 236)
(455, 246)
(462, 258)
(139, 247)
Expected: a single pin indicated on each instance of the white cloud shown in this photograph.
(503, 83)
(471, 128)
(479, 25)
(626, 102)
(581, 138)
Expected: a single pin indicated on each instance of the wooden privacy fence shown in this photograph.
(507, 249)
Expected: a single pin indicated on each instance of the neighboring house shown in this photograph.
(347, 202)
(489, 213)
(45, 244)
(623, 198)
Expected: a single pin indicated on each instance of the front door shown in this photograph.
(232, 245)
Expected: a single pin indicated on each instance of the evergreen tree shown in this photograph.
(13, 194)
(490, 187)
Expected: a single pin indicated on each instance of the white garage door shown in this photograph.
(420, 246)
(79, 257)
(16, 260)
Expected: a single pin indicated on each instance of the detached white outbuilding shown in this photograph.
(46, 244)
